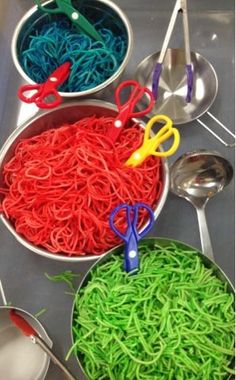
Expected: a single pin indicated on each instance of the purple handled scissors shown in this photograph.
(180, 6)
(131, 237)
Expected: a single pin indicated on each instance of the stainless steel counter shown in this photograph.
(212, 35)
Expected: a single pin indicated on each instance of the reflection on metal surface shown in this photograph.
(26, 111)
(19, 359)
(214, 37)
(173, 85)
(197, 177)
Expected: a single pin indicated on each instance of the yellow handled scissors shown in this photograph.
(150, 144)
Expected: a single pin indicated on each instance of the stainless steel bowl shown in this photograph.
(173, 85)
(20, 359)
(150, 242)
(70, 113)
(35, 17)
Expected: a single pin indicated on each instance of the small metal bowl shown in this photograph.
(65, 113)
(35, 18)
(173, 85)
(20, 359)
(150, 242)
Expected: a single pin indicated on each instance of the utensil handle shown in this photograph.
(4, 300)
(204, 234)
(189, 71)
(186, 32)
(169, 31)
(44, 346)
(155, 79)
(225, 143)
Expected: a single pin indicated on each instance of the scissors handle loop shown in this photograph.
(22, 90)
(132, 236)
(136, 95)
(113, 214)
(54, 102)
(149, 225)
(40, 96)
(151, 144)
(48, 88)
(127, 109)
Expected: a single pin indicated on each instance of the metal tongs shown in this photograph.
(180, 6)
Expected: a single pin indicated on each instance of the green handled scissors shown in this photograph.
(65, 7)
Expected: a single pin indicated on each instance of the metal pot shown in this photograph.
(69, 113)
(35, 17)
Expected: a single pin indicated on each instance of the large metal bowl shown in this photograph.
(69, 112)
(150, 242)
(35, 18)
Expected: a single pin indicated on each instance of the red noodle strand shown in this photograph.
(61, 186)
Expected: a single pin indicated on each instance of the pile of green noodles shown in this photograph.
(172, 320)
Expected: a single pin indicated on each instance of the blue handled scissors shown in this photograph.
(131, 237)
(66, 7)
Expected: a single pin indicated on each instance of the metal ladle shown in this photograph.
(198, 176)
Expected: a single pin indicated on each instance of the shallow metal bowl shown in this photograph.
(20, 359)
(150, 242)
(34, 17)
(66, 113)
(172, 88)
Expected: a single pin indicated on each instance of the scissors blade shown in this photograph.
(66, 7)
(126, 111)
(87, 27)
(59, 75)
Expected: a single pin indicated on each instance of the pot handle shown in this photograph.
(3, 294)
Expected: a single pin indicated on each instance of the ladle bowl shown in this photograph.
(198, 176)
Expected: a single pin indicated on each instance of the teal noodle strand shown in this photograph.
(92, 62)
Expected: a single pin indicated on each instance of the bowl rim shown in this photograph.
(93, 90)
(11, 139)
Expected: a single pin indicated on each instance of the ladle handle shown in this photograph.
(44, 346)
(204, 234)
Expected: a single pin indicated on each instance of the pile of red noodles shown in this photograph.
(61, 186)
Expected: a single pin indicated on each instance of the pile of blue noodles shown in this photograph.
(56, 42)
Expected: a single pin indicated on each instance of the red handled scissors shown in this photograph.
(127, 109)
(43, 90)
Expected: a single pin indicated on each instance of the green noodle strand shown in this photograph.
(174, 320)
